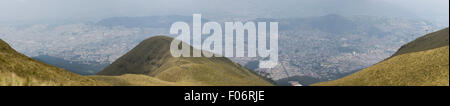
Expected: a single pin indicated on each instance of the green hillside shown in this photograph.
(18, 70)
(422, 62)
(152, 58)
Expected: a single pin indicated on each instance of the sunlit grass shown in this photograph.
(423, 62)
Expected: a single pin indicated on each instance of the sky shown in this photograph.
(37, 10)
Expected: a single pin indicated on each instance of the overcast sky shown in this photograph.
(35, 10)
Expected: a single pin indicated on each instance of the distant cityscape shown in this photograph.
(307, 47)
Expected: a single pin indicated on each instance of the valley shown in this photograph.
(158, 68)
(321, 48)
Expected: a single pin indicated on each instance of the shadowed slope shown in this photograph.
(430, 41)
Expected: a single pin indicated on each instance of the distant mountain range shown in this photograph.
(422, 62)
(145, 22)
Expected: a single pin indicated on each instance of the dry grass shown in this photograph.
(138, 80)
(18, 70)
(152, 58)
(148, 65)
(426, 68)
(422, 62)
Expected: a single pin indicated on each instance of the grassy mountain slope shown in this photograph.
(18, 70)
(149, 64)
(152, 58)
(423, 62)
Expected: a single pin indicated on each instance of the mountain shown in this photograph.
(152, 58)
(331, 23)
(145, 22)
(18, 70)
(157, 68)
(422, 62)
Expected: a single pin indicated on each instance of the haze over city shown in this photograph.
(54, 11)
(319, 40)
